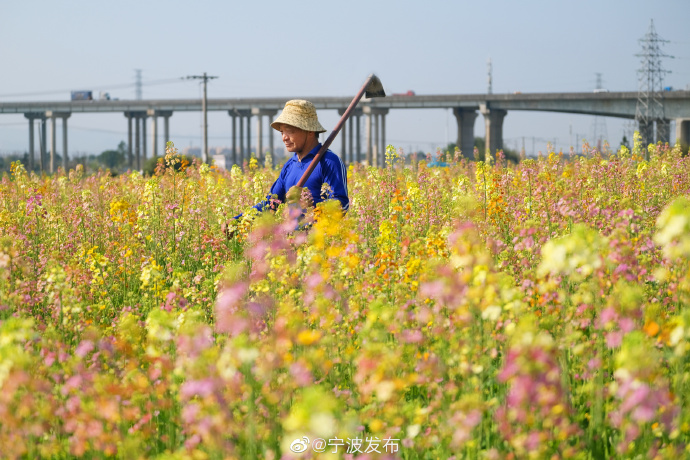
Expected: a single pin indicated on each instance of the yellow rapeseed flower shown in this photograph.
(308, 337)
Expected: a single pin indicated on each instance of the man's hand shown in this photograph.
(294, 195)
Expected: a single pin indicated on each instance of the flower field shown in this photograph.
(481, 310)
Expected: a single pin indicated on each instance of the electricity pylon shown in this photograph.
(650, 105)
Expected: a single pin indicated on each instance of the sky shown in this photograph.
(316, 48)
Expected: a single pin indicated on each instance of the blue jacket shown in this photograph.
(330, 170)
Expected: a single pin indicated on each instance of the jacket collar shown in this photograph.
(310, 156)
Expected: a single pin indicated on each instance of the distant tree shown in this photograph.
(480, 145)
(112, 158)
(122, 148)
(511, 155)
(625, 141)
(150, 165)
(6, 162)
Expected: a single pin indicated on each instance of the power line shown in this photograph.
(99, 87)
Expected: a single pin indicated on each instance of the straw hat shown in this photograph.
(301, 114)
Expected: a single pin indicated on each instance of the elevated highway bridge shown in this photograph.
(465, 107)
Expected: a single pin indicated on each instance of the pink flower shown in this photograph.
(227, 305)
(465, 423)
(607, 315)
(49, 359)
(626, 325)
(84, 348)
(189, 413)
(533, 441)
(594, 364)
(301, 373)
(643, 414)
(193, 345)
(71, 383)
(414, 336)
(202, 388)
(193, 441)
(432, 289)
(614, 339)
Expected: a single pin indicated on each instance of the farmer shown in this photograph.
(300, 129)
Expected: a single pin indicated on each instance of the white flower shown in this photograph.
(492, 313)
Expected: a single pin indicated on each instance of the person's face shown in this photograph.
(294, 138)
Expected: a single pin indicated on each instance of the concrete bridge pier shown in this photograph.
(65, 158)
(382, 136)
(465, 118)
(683, 131)
(248, 136)
(233, 134)
(154, 114)
(142, 120)
(137, 143)
(349, 153)
(33, 116)
(130, 160)
(166, 114)
(663, 131)
(493, 120)
(376, 140)
(343, 139)
(245, 143)
(646, 130)
(240, 152)
(154, 132)
(350, 138)
(44, 142)
(358, 150)
(134, 150)
(260, 113)
(368, 137)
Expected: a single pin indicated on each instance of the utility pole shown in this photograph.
(490, 77)
(600, 133)
(137, 84)
(204, 147)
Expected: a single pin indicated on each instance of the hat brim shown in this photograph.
(317, 128)
(293, 118)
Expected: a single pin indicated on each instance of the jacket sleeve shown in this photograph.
(278, 189)
(335, 175)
